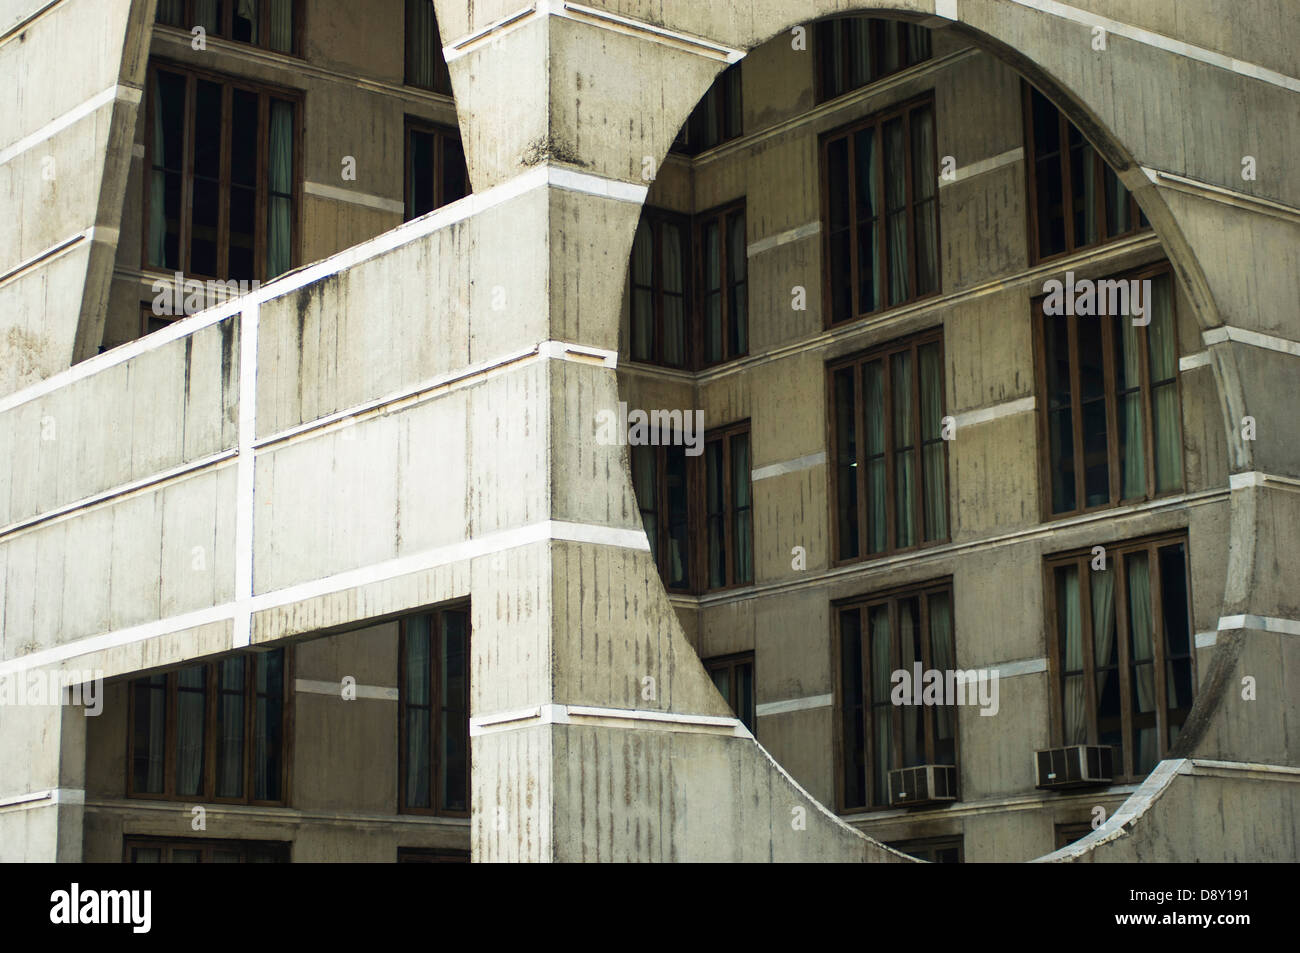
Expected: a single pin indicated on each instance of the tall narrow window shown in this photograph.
(661, 482)
(881, 212)
(435, 167)
(271, 24)
(1076, 199)
(728, 509)
(659, 288)
(425, 65)
(221, 200)
(1121, 650)
(213, 732)
(433, 715)
(855, 51)
(876, 637)
(1109, 419)
(717, 117)
(734, 677)
(723, 284)
(891, 461)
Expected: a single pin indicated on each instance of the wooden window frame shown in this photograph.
(658, 218)
(700, 504)
(685, 143)
(884, 248)
(1115, 480)
(431, 855)
(914, 847)
(441, 74)
(265, 94)
(1067, 834)
(441, 135)
(722, 216)
(436, 808)
(226, 31)
(1118, 552)
(884, 353)
(1100, 168)
(879, 800)
(729, 664)
(210, 683)
(206, 846)
(877, 27)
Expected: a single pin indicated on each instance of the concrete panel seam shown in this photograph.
(788, 466)
(1010, 157)
(783, 238)
(1021, 405)
(54, 251)
(310, 686)
(1208, 765)
(363, 199)
(114, 93)
(1267, 342)
(1162, 42)
(1232, 623)
(807, 703)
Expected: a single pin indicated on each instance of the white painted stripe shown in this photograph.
(1162, 42)
(1221, 194)
(1205, 640)
(807, 703)
(1190, 361)
(127, 94)
(501, 26)
(1240, 481)
(1230, 623)
(1028, 666)
(54, 251)
(1010, 157)
(1253, 338)
(788, 466)
(333, 192)
(1010, 408)
(554, 714)
(573, 181)
(946, 9)
(137, 151)
(578, 353)
(783, 238)
(414, 230)
(314, 687)
(245, 504)
(45, 798)
(627, 25)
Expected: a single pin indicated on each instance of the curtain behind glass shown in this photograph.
(645, 485)
(230, 727)
(873, 409)
(943, 657)
(643, 315)
(420, 43)
(1070, 631)
(279, 234)
(925, 205)
(909, 636)
(866, 174)
(158, 182)
(1132, 445)
(282, 25)
(191, 709)
(904, 459)
(934, 477)
(1166, 431)
(743, 514)
(1101, 583)
(418, 711)
(268, 725)
(674, 291)
(737, 286)
(713, 290)
(207, 14)
(881, 708)
(171, 12)
(1142, 659)
(896, 209)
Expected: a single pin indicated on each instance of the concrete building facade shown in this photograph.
(367, 578)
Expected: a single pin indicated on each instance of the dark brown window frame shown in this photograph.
(226, 31)
(726, 86)
(436, 808)
(1112, 408)
(441, 74)
(431, 855)
(206, 846)
(657, 218)
(879, 800)
(442, 134)
(1117, 551)
(877, 27)
(265, 93)
(723, 436)
(729, 664)
(722, 216)
(211, 669)
(1136, 215)
(1067, 834)
(884, 248)
(883, 352)
(916, 847)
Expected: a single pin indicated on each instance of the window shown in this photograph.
(433, 716)
(934, 850)
(270, 24)
(876, 637)
(855, 51)
(162, 850)
(723, 283)
(214, 732)
(881, 212)
(734, 677)
(891, 461)
(1109, 417)
(435, 168)
(717, 117)
(425, 65)
(421, 855)
(221, 200)
(1067, 834)
(674, 512)
(1098, 207)
(1121, 650)
(673, 254)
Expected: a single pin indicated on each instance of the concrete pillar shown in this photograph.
(42, 789)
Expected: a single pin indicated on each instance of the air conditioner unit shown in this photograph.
(1075, 766)
(923, 784)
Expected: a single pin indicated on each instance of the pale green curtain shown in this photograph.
(1102, 584)
(743, 514)
(925, 213)
(934, 477)
(896, 205)
(674, 291)
(191, 710)
(943, 657)
(230, 728)
(904, 460)
(643, 313)
(247, 10)
(1142, 657)
(913, 717)
(1166, 430)
(279, 233)
(881, 711)
(207, 15)
(421, 44)
(158, 184)
(1132, 440)
(713, 293)
(171, 12)
(418, 711)
(1070, 629)
(1088, 158)
(282, 25)
(870, 258)
(918, 43)
(874, 429)
(860, 66)
(646, 486)
(1117, 206)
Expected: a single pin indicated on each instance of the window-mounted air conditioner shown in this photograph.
(923, 784)
(1074, 766)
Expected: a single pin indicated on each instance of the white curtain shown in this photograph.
(1166, 430)
(943, 657)
(279, 235)
(191, 710)
(1133, 447)
(1143, 659)
(896, 206)
(1074, 717)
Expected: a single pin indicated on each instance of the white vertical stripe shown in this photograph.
(244, 502)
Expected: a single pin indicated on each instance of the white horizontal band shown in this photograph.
(1010, 157)
(44, 798)
(1022, 405)
(1028, 666)
(608, 717)
(314, 687)
(1231, 623)
(783, 238)
(364, 199)
(1253, 338)
(788, 466)
(127, 94)
(1205, 640)
(1240, 481)
(1189, 361)
(54, 251)
(807, 703)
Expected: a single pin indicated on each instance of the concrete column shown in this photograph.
(42, 789)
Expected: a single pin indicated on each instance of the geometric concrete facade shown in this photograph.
(408, 421)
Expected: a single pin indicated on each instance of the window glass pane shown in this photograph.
(171, 12)
(246, 22)
(230, 727)
(838, 237)
(1166, 426)
(643, 317)
(282, 25)
(1069, 629)
(454, 743)
(1083, 189)
(722, 681)
(712, 292)
(279, 234)
(909, 631)
(191, 709)
(149, 734)
(1129, 414)
(268, 726)
(1142, 660)
(645, 485)
(207, 14)
(933, 462)
(455, 175)
(186, 855)
(168, 161)
(852, 737)
(673, 257)
(904, 450)
(846, 451)
(715, 515)
(146, 855)
(943, 658)
(737, 285)
(1119, 219)
(1060, 420)
(679, 541)
(742, 516)
(882, 656)
(745, 694)
(896, 210)
(419, 174)
(1105, 651)
(925, 213)
(242, 198)
(874, 409)
(417, 660)
(891, 59)
(418, 714)
(1049, 200)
